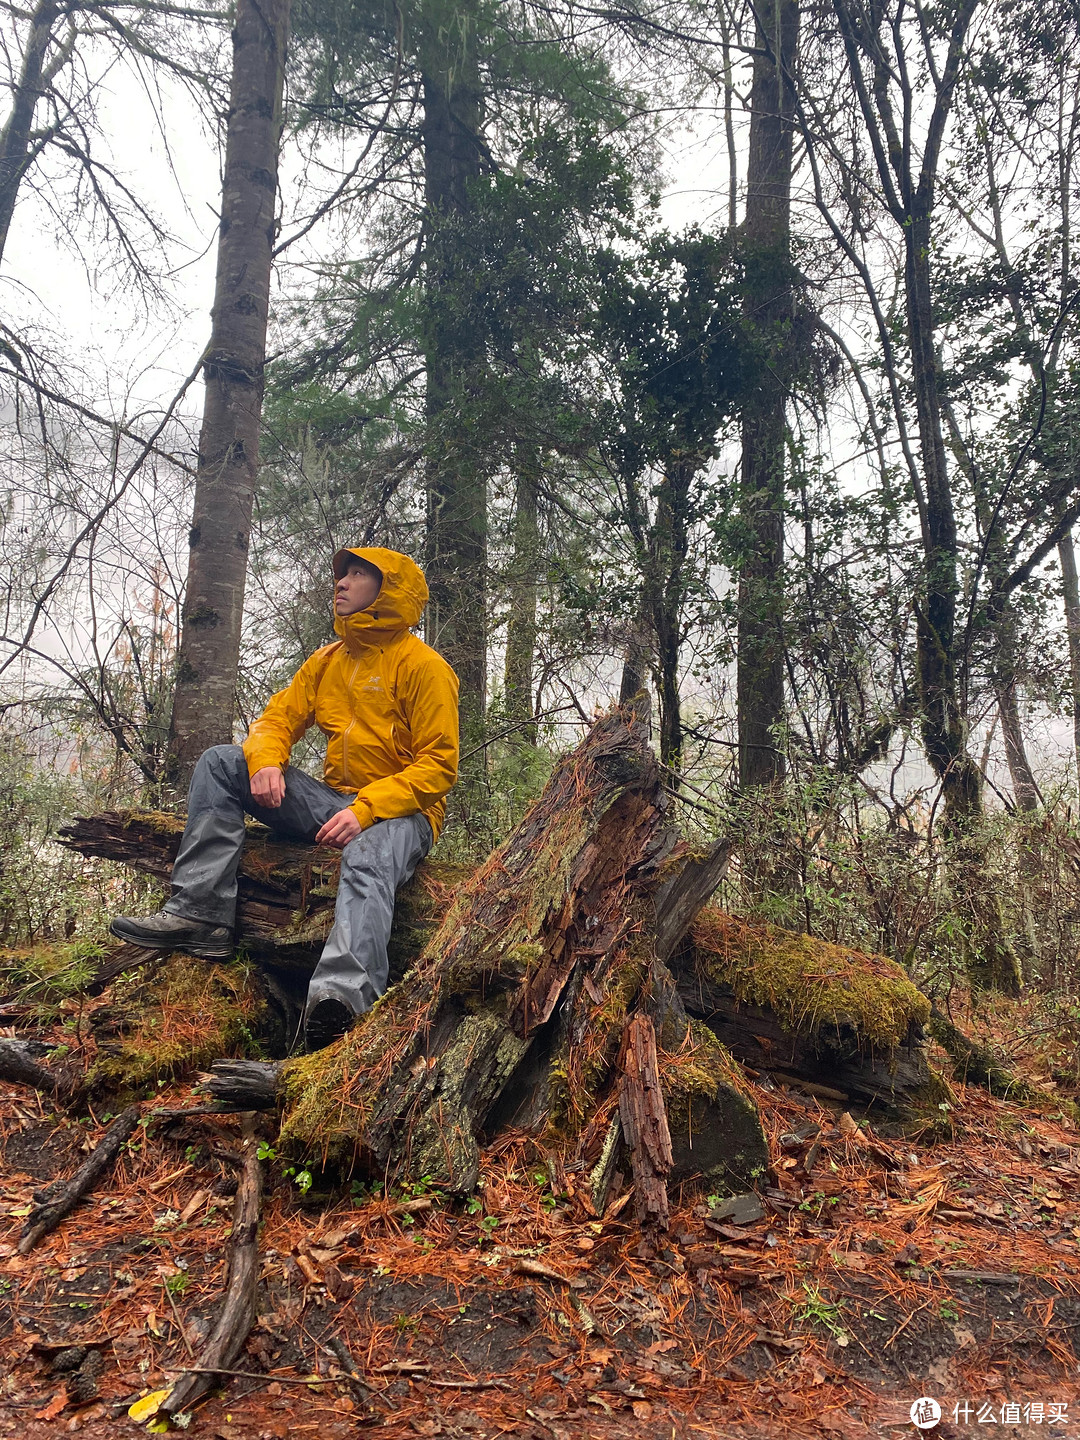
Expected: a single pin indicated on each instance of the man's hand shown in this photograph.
(339, 829)
(268, 787)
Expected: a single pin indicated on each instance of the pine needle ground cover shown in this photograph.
(879, 1270)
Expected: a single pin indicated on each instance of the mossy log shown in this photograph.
(519, 1007)
(792, 1003)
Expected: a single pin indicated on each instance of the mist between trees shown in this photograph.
(724, 352)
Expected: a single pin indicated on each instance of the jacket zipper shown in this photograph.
(352, 722)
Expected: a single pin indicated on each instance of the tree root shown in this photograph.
(237, 1314)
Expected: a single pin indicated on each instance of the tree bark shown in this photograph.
(457, 517)
(16, 151)
(203, 708)
(665, 590)
(1071, 589)
(1025, 788)
(521, 624)
(767, 248)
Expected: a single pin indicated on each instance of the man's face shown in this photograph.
(357, 589)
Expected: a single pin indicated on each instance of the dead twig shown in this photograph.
(60, 1199)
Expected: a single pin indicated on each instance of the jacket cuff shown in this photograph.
(258, 758)
(363, 811)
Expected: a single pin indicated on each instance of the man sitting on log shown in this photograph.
(387, 704)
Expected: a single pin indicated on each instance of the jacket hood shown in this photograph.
(398, 605)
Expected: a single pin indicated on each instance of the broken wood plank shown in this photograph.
(645, 1123)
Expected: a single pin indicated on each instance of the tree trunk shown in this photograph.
(767, 248)
(799, 1007)
(286, 892)
(990, 959)
(15, 144)
(203, 709)
(521, 625)
(665, 589)
(457, 519)
(1071, 591)
(944, 732)
(637, 660)
(1025, 788)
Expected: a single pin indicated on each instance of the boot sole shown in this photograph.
(201, 952)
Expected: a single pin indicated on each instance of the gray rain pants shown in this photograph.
(353, 965)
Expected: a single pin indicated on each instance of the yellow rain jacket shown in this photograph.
(386, 702)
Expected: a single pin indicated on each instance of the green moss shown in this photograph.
(472, 974)
(809, 984)
(712, 1116)
(699, 1067)
(180, 1020)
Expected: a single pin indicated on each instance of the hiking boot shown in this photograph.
(328, 1021)
(162, 931)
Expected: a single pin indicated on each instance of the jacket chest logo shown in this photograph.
(372, 685)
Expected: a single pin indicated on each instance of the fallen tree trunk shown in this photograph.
(286, 891)
(19, 1063)
(790, 1003)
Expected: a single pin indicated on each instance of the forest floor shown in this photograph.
(944, 1264)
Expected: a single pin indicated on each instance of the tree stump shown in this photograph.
(571, 987)
(516, 1010)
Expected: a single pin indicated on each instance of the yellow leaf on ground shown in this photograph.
(147, 1406)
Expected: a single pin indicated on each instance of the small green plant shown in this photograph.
(301, 1177)
(548, 1198)
(362, 1193)
(415, 1189)
(948, 1311)
(405, 1324)
(814, 1309)
(178, 1284)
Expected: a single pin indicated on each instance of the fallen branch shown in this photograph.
(118, 960)
(18, 1065)
(493, 1384)
(59, 1199)
(237, 1314)
(242, 1084)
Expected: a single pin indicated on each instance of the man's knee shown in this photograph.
(368, 853)
(224, 762)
